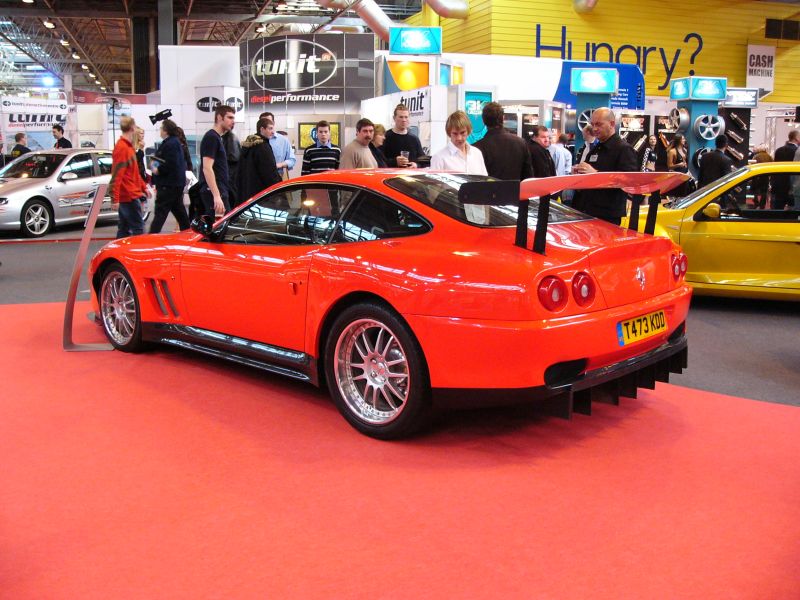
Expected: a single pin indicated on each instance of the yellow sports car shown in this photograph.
(735, 249)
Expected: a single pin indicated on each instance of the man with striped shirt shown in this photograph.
(322, 156)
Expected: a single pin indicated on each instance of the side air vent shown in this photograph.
(163, 297)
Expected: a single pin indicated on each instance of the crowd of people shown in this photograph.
(232, 171)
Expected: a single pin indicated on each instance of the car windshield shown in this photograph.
(440, 191)
(34, 166)
(707, 189)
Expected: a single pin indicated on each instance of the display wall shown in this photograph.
(666, 39)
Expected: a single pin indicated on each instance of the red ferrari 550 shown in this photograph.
(406, 291)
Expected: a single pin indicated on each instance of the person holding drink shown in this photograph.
(401, 147)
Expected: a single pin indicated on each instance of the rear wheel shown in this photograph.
(36, 218)
(376, 373)
(119, 310)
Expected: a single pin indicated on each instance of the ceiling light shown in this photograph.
(65, 42)
(84, 67)
(27, 1)
(92, 75)
(34, 68)
(261, 28)
(76, 56)
(49, 24)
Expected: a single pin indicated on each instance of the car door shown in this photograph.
(742, 246)
(253, 282)
(75, 187)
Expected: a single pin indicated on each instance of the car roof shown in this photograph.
(68, 151)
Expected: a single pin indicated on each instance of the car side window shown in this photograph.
(372, 217)
(104, 161)
(291, 216)
(749, 201)
(81, 165)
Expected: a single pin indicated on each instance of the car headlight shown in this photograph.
(3, 201)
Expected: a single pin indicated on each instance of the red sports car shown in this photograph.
(405, 291)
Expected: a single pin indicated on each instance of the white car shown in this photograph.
(46, 188)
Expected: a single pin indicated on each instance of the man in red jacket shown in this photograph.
(127, 187)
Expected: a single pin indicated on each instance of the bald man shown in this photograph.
(611, 153)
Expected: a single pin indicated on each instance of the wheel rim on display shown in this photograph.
(372, 371)
(118, 308)
(709, 127)
(585, 118)
(37, 219)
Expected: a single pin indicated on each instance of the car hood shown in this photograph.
(9, 186)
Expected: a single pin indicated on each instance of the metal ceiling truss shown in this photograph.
(100, 33)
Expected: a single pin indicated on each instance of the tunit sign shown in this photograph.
(292, 65)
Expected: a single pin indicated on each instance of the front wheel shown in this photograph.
(376, 373)
(36, 218)
(119, 310)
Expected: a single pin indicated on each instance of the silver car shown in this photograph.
(53, 187)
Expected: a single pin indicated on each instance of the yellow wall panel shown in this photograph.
(667, 39)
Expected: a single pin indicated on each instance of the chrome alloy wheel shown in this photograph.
(371, 370)
(118, 308)
(37, 219)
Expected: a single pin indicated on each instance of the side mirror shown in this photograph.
(68, 176)
(204, 225)
(712, 211)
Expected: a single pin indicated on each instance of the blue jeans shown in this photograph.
(130, 219)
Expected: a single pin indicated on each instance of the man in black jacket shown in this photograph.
(21, 147)
(781, 183)
(542, 160)
(611, 153)
(169, 176)
(257, 168)
(716, 164)
(505, 155)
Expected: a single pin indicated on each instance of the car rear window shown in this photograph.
(440, 191)
(34, 166)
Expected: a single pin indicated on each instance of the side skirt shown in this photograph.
(274, 359)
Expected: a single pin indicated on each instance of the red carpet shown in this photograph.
(165, 475)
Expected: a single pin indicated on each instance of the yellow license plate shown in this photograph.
(640, 328)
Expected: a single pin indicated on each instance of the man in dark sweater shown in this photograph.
(21, 147)
(401, 147)
(715, 164)
(611, 153)
(781, 182)
(61, 141)
(543, 165)
(323, 155)
(506, 155)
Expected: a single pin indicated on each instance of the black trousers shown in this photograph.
(208, 201)
(169, 200)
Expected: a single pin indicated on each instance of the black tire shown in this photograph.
(376, 373)
(119, 310)
(36, 218)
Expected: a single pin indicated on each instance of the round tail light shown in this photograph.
(553, 293)
(583, 289)
(684, 262)
(676, 267)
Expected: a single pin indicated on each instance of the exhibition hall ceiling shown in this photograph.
(43, 40)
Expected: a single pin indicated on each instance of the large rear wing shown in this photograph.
(506, 193)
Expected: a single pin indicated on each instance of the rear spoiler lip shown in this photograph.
(501, 193)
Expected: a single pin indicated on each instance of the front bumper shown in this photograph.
(566, 393)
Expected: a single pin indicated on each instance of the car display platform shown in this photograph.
(168, 474)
